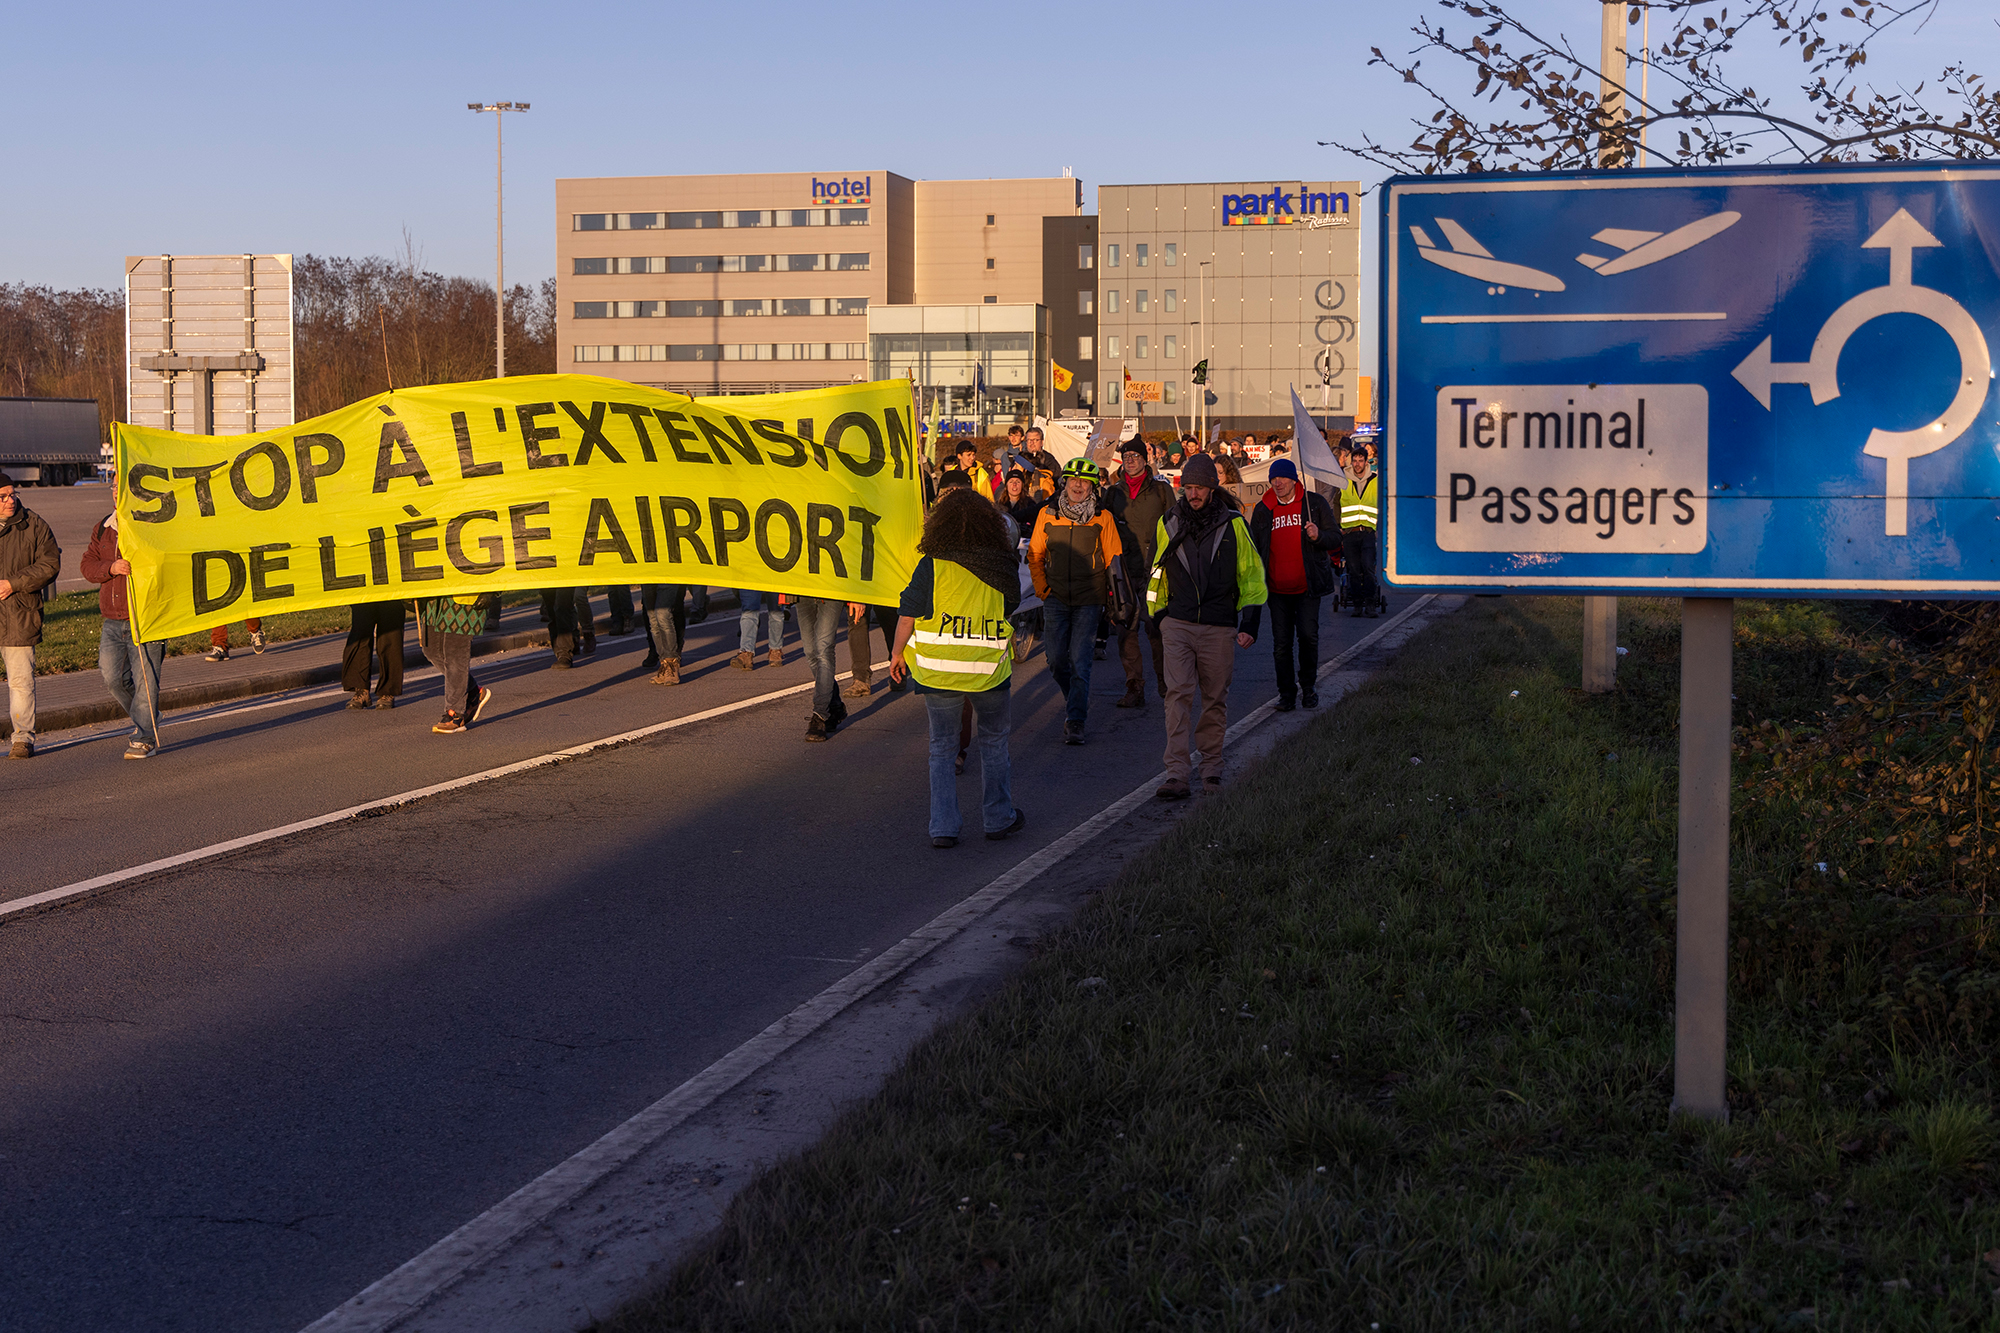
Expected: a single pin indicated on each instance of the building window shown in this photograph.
(1173, 300)
(745, 308)
(1111, 391)
(694, 263)
(1086, 301)
(694, 221)
(850, 263)
(1170, 392)
(993, 300)
(591, 309)
(1086, 256)
(1140, 255)
(1111, 256)
(847, 305)
(694, 352)
(749, 217)
(586, 267)
(989, 263)
(1139, 347)
(1172, 257)
(799, 263)
(1084, 349)
(989, 219)
(801, 306)
(850, 217)
(1142, 301)
(1111, 349)
(801, 217)
(693, 309)
(1111, 301)
(1170, 346)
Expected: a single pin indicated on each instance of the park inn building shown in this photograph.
(978, 289)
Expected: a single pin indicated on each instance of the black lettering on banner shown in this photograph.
(309, 471)
(716, 438)
(412, 464)
(680, 436)
(1680, 502)
(1604, 509)
(743, 444)
(204, 494)
(636, 413)
(1519, 497)
(861, 421)
(592, 427)
(867, 521)
(500, 420)
(1460, 497)
(767, 511)
(262, 565)
(1464, 405)
(602, 520)
(533, 435)
(725, 533)
(378, 555)
(649, 546)
(206, 601)
(675, 531)
(281, 477)
(899, 440)
(828, 541)
(773, 432)
(818, 449)
(517, 518)
(330, 577)
(1551, 513)
(409, 546)
(1634, 498)
(492, 544)
(1580, 511)
(1495, 509)
(468, 466)
(136, 487)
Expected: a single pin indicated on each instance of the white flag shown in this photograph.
(1309, 447)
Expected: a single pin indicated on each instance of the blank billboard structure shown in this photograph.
(208, 343)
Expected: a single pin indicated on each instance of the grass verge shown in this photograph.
(1382, 1039)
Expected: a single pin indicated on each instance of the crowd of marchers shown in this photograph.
(1160, 553)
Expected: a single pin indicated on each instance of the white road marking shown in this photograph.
(385, 1302)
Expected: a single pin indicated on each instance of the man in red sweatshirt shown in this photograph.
(131, 670)
(1294, 529)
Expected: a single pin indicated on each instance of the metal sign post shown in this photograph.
(1682, 384)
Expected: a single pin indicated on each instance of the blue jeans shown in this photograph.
(820, 622)
(749, 606)
(993, 712)
(1069, 643)
(132, 674)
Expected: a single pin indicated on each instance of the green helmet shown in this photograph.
(1083, 467)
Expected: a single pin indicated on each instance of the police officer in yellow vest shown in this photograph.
(1360, 509)
(953, 637)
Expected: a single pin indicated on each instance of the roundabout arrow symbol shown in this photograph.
(1902, 235)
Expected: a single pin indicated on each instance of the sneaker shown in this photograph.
(1285, 705)
(216, 655)
(136, 749)
(744, 661)
(1310, 699)
(1020, 822)
(449, 724)
(669, 672)
(257, 642)
(1135, 697)
(357, 701)
(776, 657)
(941, 842)
(816, 729)
(479, 705)
(1072, 733)
(1173, 789)
(858, 690)
(385, 702)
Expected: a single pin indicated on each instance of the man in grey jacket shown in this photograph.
(29, 562)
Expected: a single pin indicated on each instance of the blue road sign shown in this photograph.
(1770, 382)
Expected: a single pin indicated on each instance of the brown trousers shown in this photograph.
(859, 660)
(1135, 665)
(1204, 657)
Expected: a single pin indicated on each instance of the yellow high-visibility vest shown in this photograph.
(964, 643)
(1358, 503)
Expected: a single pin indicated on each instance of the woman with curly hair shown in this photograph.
(952, 638)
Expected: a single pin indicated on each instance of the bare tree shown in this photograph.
(64, 345)
(1695, 112)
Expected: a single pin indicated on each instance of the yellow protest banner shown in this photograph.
(537, 481)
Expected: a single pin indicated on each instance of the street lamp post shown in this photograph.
(499, 110)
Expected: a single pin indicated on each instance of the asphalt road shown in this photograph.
(234, 1094)
(71, 512)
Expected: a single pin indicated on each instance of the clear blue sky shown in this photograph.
(331, 130)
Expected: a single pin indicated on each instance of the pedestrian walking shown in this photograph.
(1034, 447)
(1360, 502)
(666, 619)
(752, 606)
(131, 669)
(1071, 558)
(1018, 502)
(374, 630)
(860, 658)
(1138, 500)
(1208, 586)
(1294, 529)
(559, 609)
(29, 562)
(976, 475)
(218, 640)
(951, 638)
(445, 626)
(820, 619)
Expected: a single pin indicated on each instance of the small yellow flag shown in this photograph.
(1063, 378)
